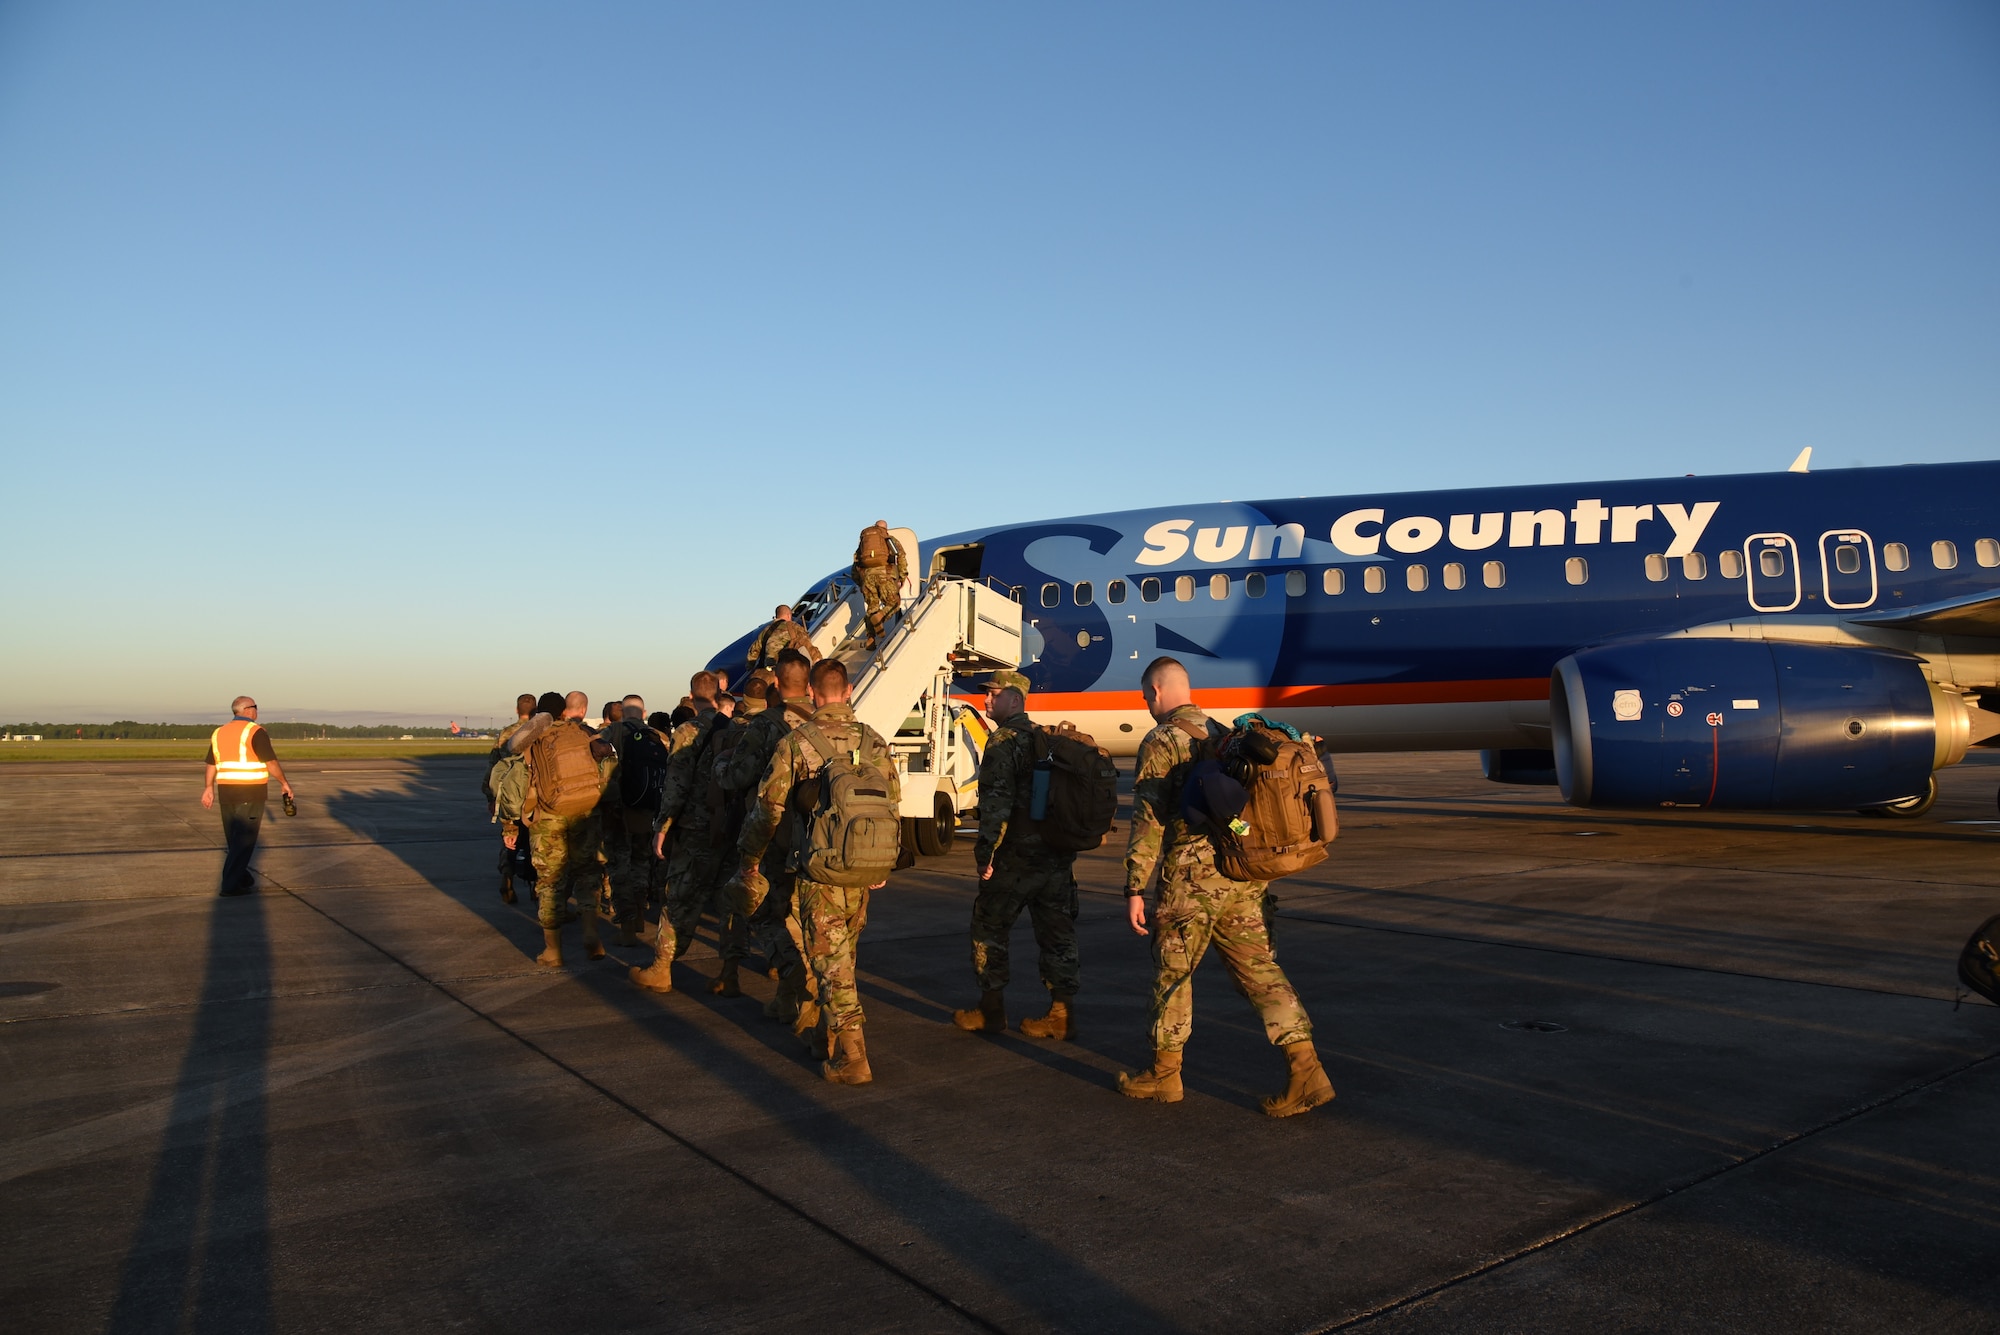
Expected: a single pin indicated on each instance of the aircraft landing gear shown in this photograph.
(1909, 807)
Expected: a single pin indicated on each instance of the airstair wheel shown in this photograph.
(936, 836)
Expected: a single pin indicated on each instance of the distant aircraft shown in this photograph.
(1781, 640)
(454, 727)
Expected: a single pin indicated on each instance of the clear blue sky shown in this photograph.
(405, 356)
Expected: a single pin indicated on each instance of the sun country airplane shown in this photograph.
(1778, 640)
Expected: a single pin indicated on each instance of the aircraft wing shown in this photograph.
(1969, 614)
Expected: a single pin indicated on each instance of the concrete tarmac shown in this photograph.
(1597, 1072)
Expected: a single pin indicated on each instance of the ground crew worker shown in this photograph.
(241, 764)
(681, 835)
(783, 633)
(564, 847)
(831, 917)
(1199, 906)
(628, 830)
(761, 888)
(513, 860)
(1016, 871)
(879, 566)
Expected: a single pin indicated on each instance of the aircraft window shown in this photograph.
(1335, 580)
(1944, 555)
(1114, 592)
(1847, 559)
(1495, 574)
(1771, 561)
(1149, 590)
(1218, 587)
(1988, 552)
(1083, 594)
(1656, 567)
(1732, 564)
(1184, 589)
(1253, 585)
(1051, 595)
(1295, 583)
(1694, 566)
(1576, 570)
(1895, 556)
(1454, 575)
(1374, 579)
(1418, 577)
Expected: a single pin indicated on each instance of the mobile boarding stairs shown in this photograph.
(945, 627)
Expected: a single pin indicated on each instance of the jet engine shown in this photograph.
(1749, 724)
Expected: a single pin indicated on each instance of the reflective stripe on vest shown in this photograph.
(235, 759)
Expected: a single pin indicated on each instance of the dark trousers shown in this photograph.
(242, 814)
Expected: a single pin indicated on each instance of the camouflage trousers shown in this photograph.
(774, 924)
(628, 861)
(881, 595)
(1044, 887)
(564, 850)
(1234, 917)
(831, 919)
(699, 880)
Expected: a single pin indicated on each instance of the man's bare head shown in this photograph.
(702, 686)
(1164, 683)
(882, 524)
(238, 705)
(613, 711)
(792, 670)
(829, 682)
(783, 613)
(524, 705)
(632, 702)
(576, 705)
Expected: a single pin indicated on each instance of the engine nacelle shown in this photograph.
(1748, 724)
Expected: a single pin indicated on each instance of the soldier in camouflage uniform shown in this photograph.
(628, 831)
(783, 633)
(761, 889)
(511, 861)
(564, 849)
(831, 917)
(682, 835)
(1017, 870)
(880, 578)
(1198, 906)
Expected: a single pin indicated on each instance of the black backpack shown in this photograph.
(1979, 962)
(642, 768)
(1073, 794)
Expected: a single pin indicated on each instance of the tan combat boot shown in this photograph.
(1162, 1082)
(551, 956)
(727, 983)
(849, 1063)
(989, 1017)
(1308, 1086)
(1056, 1024)
(657, 976)
(784, 1003)
(593, 946)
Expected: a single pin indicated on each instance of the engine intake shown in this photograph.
(1748, 724)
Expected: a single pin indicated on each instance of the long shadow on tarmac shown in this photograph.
(201, 1257)
(1039, 1277)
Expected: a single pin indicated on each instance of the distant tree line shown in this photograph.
(128, 730)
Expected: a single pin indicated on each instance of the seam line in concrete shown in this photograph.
(268, 848)
(790, 1207)
(1700, 1179)
(1325, 920)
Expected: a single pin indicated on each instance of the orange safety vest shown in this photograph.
(235, 759)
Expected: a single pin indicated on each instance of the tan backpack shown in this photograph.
(1289, 816)
(874, 549)
(568, 780)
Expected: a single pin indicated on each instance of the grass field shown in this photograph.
(191, 752)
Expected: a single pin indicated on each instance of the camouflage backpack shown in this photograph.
(507, 785)
(853, 834)
(1073, 793)
(568, 781)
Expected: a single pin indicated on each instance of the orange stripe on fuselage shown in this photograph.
(1305, 697)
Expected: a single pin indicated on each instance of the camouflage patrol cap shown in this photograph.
(1001, 680)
